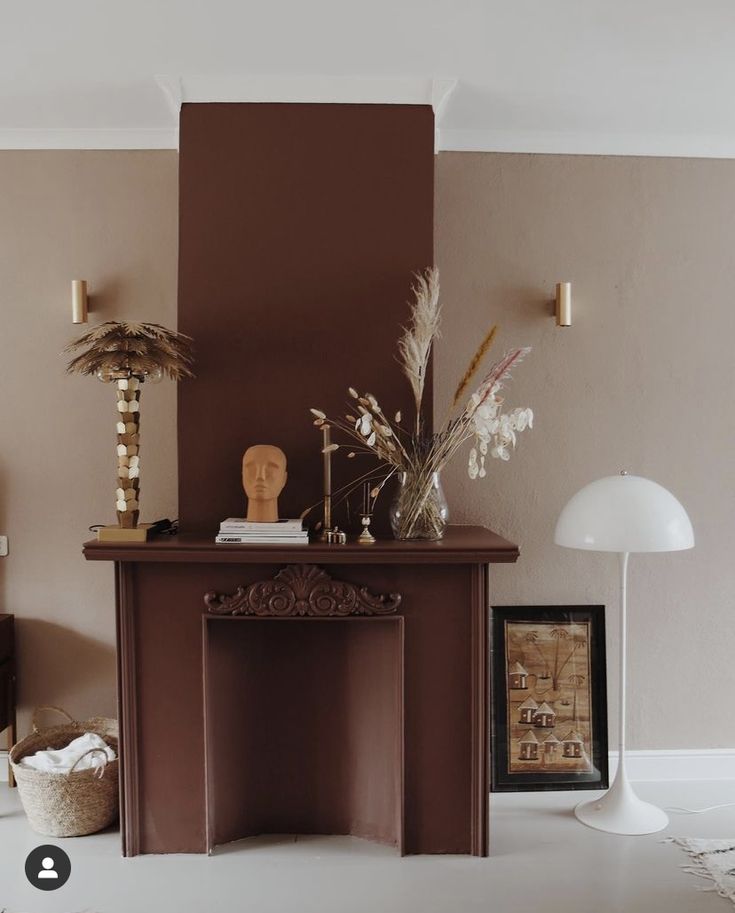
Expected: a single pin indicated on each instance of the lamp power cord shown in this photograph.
(676, 810)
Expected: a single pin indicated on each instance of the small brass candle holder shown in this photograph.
(366, 537)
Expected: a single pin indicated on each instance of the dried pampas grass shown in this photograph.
(474, 364)
(414, 346)
(500, 372)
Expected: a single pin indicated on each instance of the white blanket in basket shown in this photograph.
(62, 760)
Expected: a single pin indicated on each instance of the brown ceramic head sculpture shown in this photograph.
(263, 478)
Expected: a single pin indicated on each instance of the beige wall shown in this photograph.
(642, 380)
(109, 217)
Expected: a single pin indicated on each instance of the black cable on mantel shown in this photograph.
(164, 527)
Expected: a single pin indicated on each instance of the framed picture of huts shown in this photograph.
(549, 703)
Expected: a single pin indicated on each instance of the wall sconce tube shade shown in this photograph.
(563, 304)
(79, 300)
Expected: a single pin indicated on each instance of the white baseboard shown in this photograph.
(667, 764)
(678, 764)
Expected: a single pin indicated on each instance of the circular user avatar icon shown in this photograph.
(48, 867)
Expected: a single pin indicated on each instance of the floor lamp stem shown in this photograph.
(620, 811)
(623, 652)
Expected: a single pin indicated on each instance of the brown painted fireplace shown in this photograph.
(247, 707)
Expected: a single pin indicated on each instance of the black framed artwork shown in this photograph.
(549, 719)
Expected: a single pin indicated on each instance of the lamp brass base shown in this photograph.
(118, 534)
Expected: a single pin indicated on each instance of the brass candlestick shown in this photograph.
(366, 537)
(327, 471)
(331, 534)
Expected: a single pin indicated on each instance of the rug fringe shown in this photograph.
(698, 867)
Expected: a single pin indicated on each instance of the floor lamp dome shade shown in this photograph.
(624, 513)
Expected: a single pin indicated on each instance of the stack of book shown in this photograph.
(236, 531)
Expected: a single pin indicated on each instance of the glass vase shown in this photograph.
(419, 508)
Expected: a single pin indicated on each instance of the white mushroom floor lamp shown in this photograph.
(623, 514)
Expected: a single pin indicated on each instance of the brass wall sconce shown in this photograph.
(79, 301)
(563, 306)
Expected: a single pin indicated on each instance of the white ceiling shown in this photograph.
(620, 76)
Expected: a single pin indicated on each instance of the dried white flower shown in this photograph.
(472, 467)
(353, 393)
(318, 413)
(330, 448)
(495, 431)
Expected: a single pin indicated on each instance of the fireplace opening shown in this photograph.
(304, 721)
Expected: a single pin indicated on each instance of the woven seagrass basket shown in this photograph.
(74, 804)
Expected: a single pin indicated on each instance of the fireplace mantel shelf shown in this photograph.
(461, 545)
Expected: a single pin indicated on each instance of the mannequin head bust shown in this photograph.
(263, 478)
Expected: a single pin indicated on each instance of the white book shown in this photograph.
(254, 537)
(262, 540)
(266, 528)
(279, 527)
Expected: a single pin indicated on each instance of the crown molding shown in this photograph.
(399, 90)
(339, 90)
(173, 92)
(561, 143)
(109, 138)
(440, 93)
(89, 138)
(344, 90)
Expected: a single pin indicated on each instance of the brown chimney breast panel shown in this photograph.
(300, 228)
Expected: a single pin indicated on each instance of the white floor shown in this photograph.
(542, 861)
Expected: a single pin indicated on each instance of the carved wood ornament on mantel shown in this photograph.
(302, 590)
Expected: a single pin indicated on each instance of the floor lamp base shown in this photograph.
(620, 811)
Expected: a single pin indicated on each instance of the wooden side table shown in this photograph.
(7, 685)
